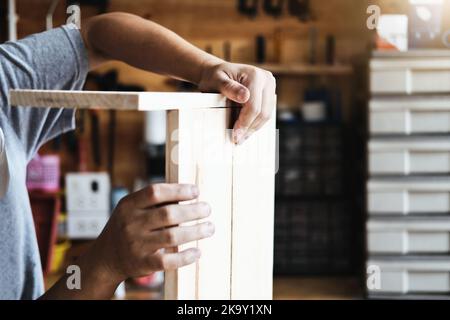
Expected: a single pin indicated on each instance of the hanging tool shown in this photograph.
(82, 154)
(274, 7)
(95, 138)
(278, 44)
(330, 50)
(313, 36)
(227, 51)
(300, 9)
(248, 9)
(111, 143)
(261, 47)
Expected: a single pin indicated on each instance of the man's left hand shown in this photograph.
(250, 86)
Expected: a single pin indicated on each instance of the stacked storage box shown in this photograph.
(313, 224)
(408, 192)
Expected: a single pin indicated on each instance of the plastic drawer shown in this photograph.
(410, 115)
(409, 156)
(408, 236)
(407, 75)
(411, 276)
(405, 196)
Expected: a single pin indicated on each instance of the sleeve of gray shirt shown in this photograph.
(52, 60)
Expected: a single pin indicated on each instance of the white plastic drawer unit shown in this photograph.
(410, 115)
(408, 236)
(404, 156)
(408, 196)
(409, 276)
(410, 72)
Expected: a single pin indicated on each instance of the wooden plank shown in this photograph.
(143, 101)
(200, 151)
(254, 168)
(238, 183)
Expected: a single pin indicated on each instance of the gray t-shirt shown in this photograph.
(56, 59)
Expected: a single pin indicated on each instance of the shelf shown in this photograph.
(308, 69)
(414, 53)
(317, 288)
(284, 288)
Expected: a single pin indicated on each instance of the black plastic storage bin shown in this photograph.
(313, 224)
(311, 160)
(313, 237)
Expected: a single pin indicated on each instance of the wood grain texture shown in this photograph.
(238, 183)
(200, 152)
(143, 101)
(254, 168)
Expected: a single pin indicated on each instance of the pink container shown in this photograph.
(43, 173)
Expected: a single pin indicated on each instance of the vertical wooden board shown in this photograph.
(214, 178)
(170, 277)
(180, 283)
(200, 152)
(253, 215)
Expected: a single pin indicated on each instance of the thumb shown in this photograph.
(235, 91)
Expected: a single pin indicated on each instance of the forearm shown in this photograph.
(97, 282)
(132, 242)
(146, 45)
(149, 46)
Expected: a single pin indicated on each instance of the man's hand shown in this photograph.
(146, 222)
(133, 242)
(252, 87)
(149, 46)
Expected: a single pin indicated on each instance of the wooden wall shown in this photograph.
(211, 23)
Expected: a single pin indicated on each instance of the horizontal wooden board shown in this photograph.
(143, 101)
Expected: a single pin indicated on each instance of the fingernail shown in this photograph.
(244, 138)
(247, 135)
(196, 254)
(210, 229)
(238, 135)
(242, 94)
(207, 208)
(194, 190)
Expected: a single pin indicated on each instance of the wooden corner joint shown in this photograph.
(237, 182)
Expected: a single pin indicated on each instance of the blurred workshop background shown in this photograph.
(362, 192)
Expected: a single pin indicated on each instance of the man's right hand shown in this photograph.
(131, 245)
(146, 222)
